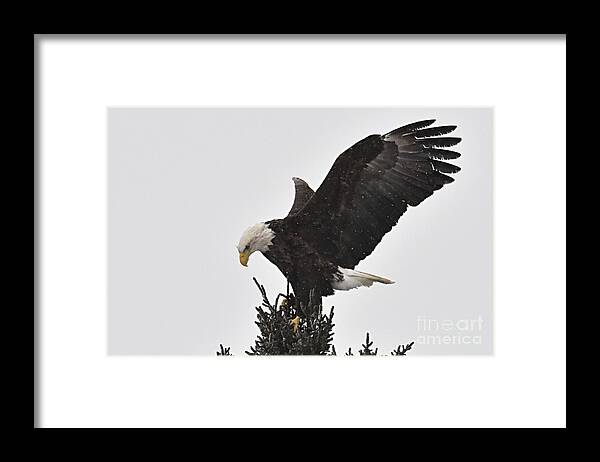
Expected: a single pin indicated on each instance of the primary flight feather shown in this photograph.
(369, 187)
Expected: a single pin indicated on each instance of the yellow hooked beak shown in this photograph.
(244, 258)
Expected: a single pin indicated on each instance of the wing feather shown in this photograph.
(435, 131)
(410, 128)
(438, 142)
(371, 185)
(302, 192)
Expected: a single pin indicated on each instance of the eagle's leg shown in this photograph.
(287, 304)
(306, 304)
(298, 306)
(295, 308)
(314, 301)
(302, 304)
(288, 308)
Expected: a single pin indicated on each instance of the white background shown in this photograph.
(523, 384)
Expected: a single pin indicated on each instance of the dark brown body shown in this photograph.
(300, 263)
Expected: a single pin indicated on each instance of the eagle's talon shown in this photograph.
(295, 323)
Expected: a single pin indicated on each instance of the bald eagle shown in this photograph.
(329, 231)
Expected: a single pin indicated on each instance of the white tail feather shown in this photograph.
(351, 279)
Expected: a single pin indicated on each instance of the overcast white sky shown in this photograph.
(184, 183)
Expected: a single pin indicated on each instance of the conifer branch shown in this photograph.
(401, 350)
(224, 351)
(287, 327)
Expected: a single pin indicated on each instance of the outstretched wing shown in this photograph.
(303, 195)
(371, 185)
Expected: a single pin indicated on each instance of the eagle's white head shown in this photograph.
(256, 237)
